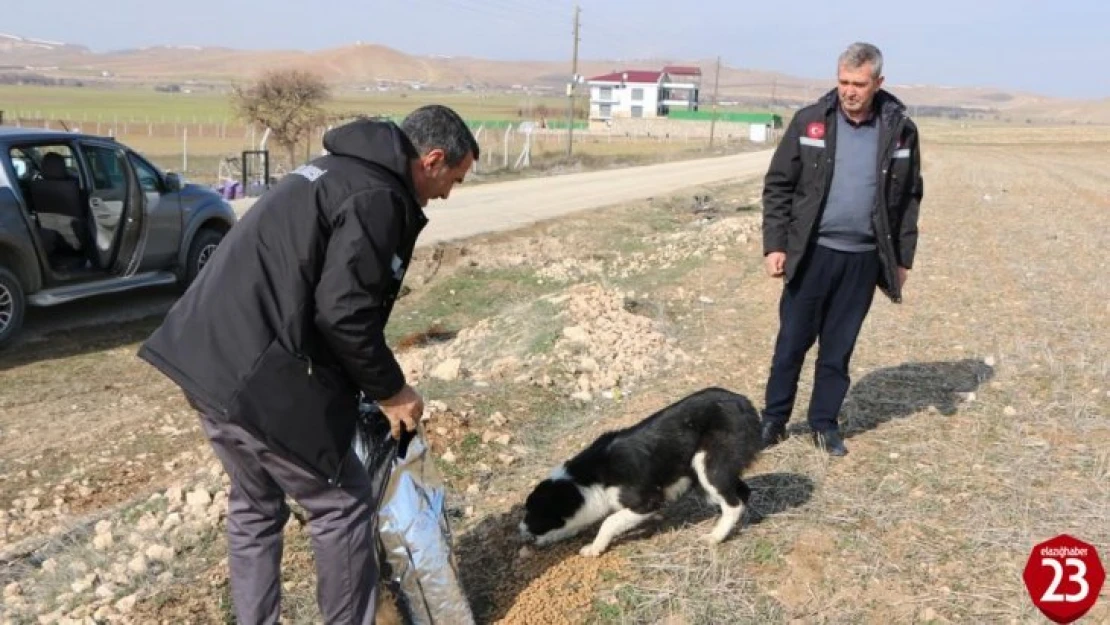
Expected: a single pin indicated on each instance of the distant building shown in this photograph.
(681, 88)
(644, 93)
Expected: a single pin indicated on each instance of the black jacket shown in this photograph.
(285, 324)
(797, 185)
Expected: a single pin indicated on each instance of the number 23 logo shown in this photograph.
(1051, 594)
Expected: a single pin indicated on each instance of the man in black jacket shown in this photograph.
(285, 326)
(840, 205)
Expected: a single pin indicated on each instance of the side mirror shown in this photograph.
(173, 182)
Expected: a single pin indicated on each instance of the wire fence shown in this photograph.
(208, 149)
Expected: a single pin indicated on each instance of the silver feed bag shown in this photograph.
(414, 536)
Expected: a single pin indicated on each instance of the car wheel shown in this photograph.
(12, 306)
(200, 252)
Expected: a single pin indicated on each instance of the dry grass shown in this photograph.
(949, 132)
(976, 423)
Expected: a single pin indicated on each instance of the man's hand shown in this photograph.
(775, 264)
(403, 409)
(903, 274)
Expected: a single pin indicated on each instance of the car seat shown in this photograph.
(56, 198)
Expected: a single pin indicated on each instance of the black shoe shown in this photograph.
(774, 432)
(831, 442)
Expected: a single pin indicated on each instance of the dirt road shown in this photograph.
(507, 205)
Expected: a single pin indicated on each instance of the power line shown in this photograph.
(629, 32)
(487, 11)
(546, 11)
(614, 39)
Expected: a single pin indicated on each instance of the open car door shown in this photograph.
(117, 206)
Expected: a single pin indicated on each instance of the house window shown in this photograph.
(638, 94)
(605, 93)
(605, 110)
(637, 111)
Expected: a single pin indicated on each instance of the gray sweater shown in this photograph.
(846, 222)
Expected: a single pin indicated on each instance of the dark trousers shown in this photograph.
(340, 524)
(826, 301)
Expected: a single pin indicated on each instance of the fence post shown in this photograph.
(478, 140)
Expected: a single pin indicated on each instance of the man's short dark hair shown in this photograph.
(437, 126)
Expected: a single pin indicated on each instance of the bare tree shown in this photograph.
(288, 102)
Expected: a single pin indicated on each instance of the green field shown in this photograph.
(195, 132)
(85, 104)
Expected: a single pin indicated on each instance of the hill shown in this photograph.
(371, 66)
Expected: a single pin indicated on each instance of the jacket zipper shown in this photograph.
(332, 480)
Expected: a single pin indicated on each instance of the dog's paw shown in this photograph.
(712, 538)
(591, 551)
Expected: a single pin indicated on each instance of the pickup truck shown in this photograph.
(83, 216)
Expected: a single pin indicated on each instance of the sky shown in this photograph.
(1051, 47)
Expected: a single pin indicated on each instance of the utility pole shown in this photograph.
(713, 119)
(571, 85)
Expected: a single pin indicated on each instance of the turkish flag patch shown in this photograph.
(816, 130)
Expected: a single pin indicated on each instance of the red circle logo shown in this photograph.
(1064, 576)
(816, 130)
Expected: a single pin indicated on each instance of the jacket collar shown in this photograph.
(889, 107)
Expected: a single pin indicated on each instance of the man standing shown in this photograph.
(840, 205)
(283, 328)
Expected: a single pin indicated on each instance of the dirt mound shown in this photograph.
(583, 341)
(608, 348)
(94, 570)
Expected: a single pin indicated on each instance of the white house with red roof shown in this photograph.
(644, 93)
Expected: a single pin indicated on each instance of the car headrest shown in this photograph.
(54, 167)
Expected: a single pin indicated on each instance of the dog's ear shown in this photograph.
(566, 495)
(536, 493)
(550, 504)
(556, 495)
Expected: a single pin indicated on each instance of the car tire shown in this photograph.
(200, 250)
(13, 306)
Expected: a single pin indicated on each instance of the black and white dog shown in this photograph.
(708, 438)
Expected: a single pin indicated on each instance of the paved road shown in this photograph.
(469, 211)
(507, 205)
